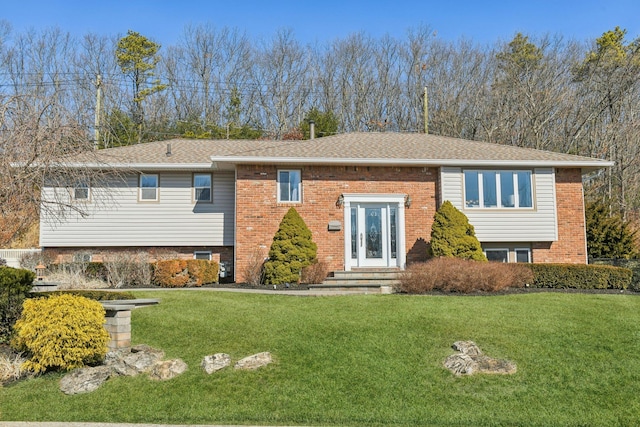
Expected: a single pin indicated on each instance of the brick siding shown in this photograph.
(571, 246)
(258, 214)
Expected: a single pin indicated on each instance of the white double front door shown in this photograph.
(374, 231)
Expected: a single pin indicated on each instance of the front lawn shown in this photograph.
(369, 360)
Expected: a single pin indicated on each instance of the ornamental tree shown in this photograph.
(453, 236)
(291, 250)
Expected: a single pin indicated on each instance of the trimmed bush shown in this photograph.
(453, 236)
(631, 264)
(15, 285)
(178, 273)
(580, 276)
(61, 333)
(202, 271)
(461, 275)
(292, 250)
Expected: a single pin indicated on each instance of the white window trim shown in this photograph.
(140, 188)
(208, 253)
(279, 197)
(78, 186)
(515, 254)
(194, 188)
(498, 189)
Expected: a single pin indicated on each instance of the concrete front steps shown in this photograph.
(360, 281)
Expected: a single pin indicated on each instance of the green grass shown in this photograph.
(369, 360)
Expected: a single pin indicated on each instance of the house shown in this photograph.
(368, 198)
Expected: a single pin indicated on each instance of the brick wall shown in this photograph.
(571, 244)
(258, 214)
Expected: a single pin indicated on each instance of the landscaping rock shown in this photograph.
(167, 369)
(470, 360)
(461, 364)
(132, 362)
(254, 362)
(467, 347)
(215, 362)
(84, 380)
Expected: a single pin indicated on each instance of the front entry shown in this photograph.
(374, 231)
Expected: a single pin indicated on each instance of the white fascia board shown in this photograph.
(593, 164)
(136, 166)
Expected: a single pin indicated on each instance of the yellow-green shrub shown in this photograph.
(61, 332)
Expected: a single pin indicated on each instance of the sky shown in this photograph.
(483, 22)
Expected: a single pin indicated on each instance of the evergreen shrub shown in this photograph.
(62, 332)
(15, 285)
(292, 250)
(453, 236)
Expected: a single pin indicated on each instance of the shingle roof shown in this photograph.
(352, 148)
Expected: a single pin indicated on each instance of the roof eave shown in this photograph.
(583, 164)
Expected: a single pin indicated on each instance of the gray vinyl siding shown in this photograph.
(508, 225)
(117, 218)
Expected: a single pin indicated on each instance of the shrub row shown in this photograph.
(449, 274)
(464, 276)
(132, 271)
(95, 295)
(176, 273)
(580, 276)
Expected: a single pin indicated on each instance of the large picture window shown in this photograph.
(289, 186)
(202, 187)
(148, 187)
(498, 189)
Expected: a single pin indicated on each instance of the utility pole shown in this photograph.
(426, 111)
(96, 126)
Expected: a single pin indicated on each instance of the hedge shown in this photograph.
(580, 276)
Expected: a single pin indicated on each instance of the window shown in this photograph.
(202, 187)
(498, 189)
(523, 255)
(497, 255)
(506, 252)
(202, 255)
(148, 187)
(289, 186)
(81, 191)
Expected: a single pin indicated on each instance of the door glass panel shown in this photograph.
(393, 231)
(373, 227)
(354, 233)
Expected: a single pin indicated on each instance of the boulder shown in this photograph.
(467, 347)
(461, 364)
(215, 362)
(167, 369)
(470, 360)
(254, 362)
(132, 362)
(84, 380)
